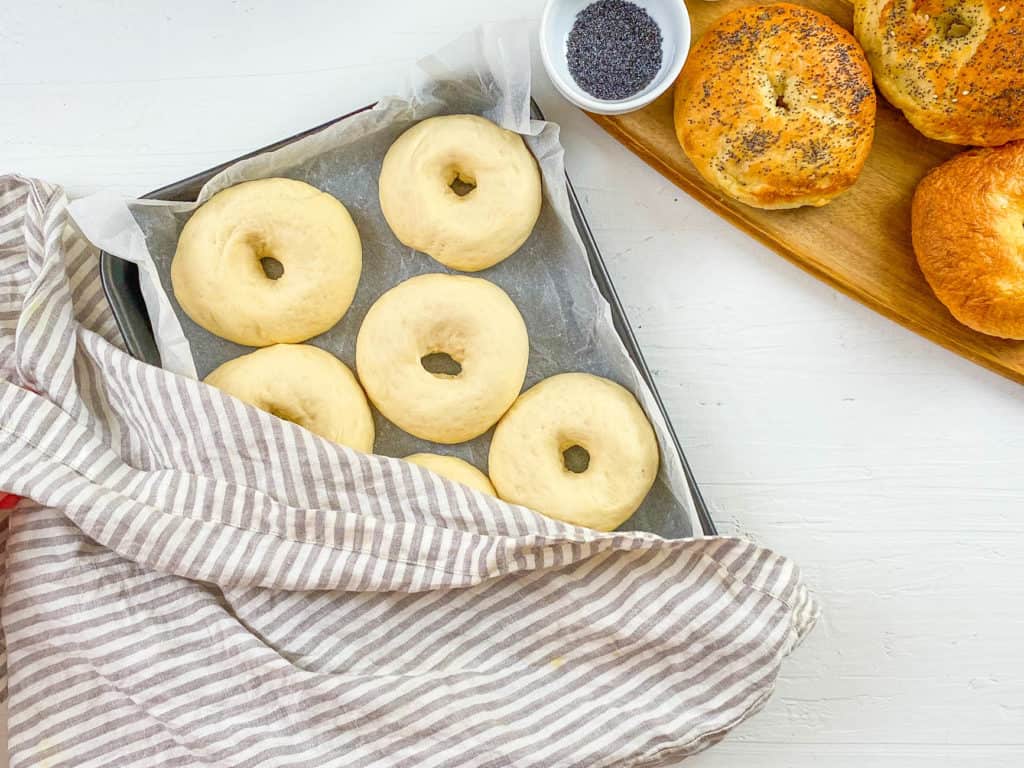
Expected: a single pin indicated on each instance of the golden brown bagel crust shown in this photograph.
(955, 67)
(775, 106)
(968, 228)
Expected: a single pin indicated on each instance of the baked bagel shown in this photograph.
(775, 107)
(954, 67)
(967, 223)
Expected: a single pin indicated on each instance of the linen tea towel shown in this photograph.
(191, 581)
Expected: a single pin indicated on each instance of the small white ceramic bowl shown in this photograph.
(557, 20)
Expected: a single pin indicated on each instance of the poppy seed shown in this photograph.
(613, 49)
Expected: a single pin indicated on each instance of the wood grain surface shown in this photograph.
(860, 243)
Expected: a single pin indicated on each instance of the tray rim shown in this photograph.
(120, 281)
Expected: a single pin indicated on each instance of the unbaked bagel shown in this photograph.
(302, 384)
(220, 272)
(462, 190)
(967, 222)
(955, 67)
(470, 320)
(530, 459)
(775, 107)
(454, 468)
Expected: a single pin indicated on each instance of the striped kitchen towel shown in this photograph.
(192, 582)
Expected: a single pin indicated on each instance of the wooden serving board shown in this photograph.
(859, 243)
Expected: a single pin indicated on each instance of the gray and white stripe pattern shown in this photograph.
(193, 582)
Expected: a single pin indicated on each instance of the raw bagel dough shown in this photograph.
(218, 277)
(469, 232)
(575, 409)
(305, 385)
(454, 468)
(471, 320)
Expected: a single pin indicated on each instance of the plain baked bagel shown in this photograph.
(954, 67)
(775, 107)
(221, 269)
(454, 468)
(967, 222)
(531, 458)
(302, 384)
(471, 321)
(462, 190)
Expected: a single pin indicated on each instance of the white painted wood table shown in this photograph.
(892, 470)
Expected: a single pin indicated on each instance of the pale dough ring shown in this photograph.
(473, 231)
(218, 276)
(575, 409)
(471, 320)
(454, 468)
(305, 385)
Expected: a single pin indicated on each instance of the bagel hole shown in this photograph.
(441, 364)
(954, 27)
(778, 86)
(461, 185)
(272, 268)
(576, 459)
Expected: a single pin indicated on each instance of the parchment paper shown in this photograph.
(486, 72)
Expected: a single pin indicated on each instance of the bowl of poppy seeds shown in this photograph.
(614, 56)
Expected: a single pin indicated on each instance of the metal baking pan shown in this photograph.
(121, 285)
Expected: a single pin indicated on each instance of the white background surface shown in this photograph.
(888, 467)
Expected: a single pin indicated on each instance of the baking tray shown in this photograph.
(121, 285)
